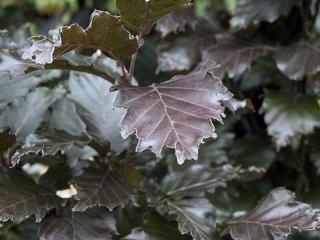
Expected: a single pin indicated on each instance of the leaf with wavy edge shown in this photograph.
(176, 113)
(194, 215)
(176, 21)
(274, 218)
(140, 15)
(101, 187)
(105, 32)
(21, 197)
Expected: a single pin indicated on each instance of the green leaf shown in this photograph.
(194, 215)
(101, 187)
(104, 32)
(94, 105)
(21, 197)
(156, 227)
(288, 117)
(77, 226)
(197, 179)
(140, 15)
(25, 115)
(7, 139)
(256, 11)
(274, 218)
(176, 22)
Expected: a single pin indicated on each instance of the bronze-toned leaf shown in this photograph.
(176, 21)
(274, 218)
(140, 15)
(21, 197)
(176, 114)
(7, 139)
(105, 32)
(101, 187)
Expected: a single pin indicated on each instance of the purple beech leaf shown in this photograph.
(140, 15)
(274, 218)
(176, 113)
(299, 60)
(21, 197)
(101, 187)
(234, 58)
(89, 225)
(256, 11)
(105, 32)
(176, 22)
(7, 139)
(289, 117)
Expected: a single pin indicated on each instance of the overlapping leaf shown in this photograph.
(77, 226)
(288, 116)
(101, 187)
(274, 218)
(194, 215)
(176, 114)
(176, 22)
(255, 11)
(234, 58)
(7, 139)
(25, 115)
(105, 32)
(196, 180)
(21, 197)
(140, 15)
(299, 60)
(93, 102)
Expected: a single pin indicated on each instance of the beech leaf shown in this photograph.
(101, 187)
(288, 117)
(176, 114)
(274, 218)
(256, 11)
(7, 139)
(234, 57)
(105, 32)
(21, 197)
(299, 60)
(140, 15)
(176, 21)
(77, 226)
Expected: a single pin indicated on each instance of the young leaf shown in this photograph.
(140, 15)
(25, 115)
(93, 103)
(21, 197)
(176, 114)
(274, 218)
(77, 226)
(101, 187)
(256, 11)
(196, 180)
(299, 60)
(194, 215)
(105, 32)
(290, 116)
(233, 57)
(176, 22)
